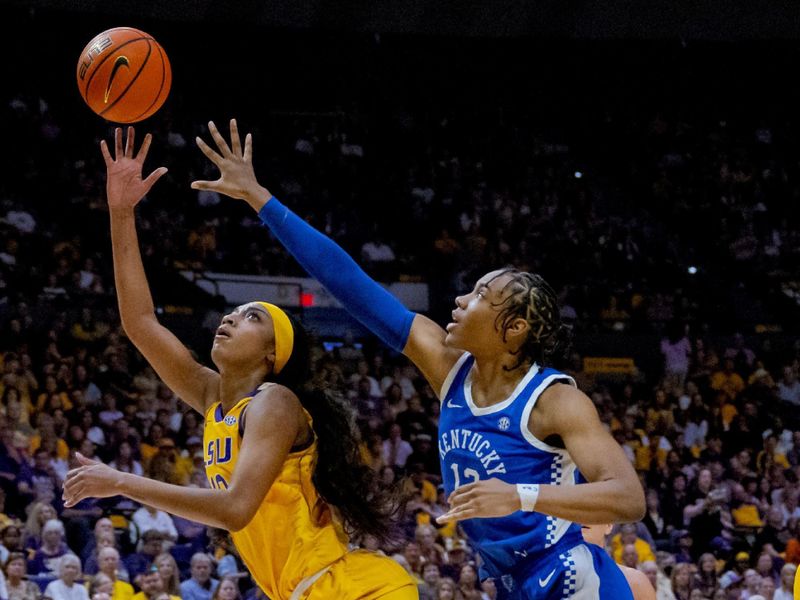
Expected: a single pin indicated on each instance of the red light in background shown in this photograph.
(306, 299)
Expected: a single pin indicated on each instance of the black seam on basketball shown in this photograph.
(160, 87)
(105, 58)
(132, 81)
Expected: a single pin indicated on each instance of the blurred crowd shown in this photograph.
(682, 226)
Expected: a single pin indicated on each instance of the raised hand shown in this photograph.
(92, 479)
(124, 184)
(237, 178)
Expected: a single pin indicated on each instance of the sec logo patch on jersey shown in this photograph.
(504, 423)
(230, 420)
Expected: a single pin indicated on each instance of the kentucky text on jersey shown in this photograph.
(495, 441)
(474, 442)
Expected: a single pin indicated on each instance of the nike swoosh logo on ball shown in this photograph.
(122, 61)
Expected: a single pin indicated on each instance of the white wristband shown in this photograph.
(528, 495)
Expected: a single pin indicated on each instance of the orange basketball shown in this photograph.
(124, 75)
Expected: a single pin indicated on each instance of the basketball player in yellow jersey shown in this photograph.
(281, 456)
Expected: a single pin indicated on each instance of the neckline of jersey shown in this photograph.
(493, 408)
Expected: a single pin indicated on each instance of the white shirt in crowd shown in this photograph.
(58, 590)
(160, 521)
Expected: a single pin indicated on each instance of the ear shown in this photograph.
(517, 330)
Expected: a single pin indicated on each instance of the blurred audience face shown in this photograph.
(227, 590)
(108, 561)
(151, 583)
(69, 569)
(431, 574)
(201, 568)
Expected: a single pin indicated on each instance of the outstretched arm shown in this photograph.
(125, 187)
(274, 419)
(416, 336)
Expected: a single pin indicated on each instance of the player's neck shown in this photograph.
(493, 380)
(233, 387)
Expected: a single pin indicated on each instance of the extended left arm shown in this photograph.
(264, 448)
(613, 494)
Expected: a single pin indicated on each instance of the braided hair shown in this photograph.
(531, 298)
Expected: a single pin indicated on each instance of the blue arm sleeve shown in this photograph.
(327, 262)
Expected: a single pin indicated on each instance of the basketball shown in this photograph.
(124, 75)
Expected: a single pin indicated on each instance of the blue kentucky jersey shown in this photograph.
(481, 443)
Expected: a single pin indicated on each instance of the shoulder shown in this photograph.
(640, 585)
(563, 403)
(274, 398)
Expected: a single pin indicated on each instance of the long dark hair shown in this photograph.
(531, 298)
(341, 476)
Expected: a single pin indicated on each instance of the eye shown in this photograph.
(253, 315)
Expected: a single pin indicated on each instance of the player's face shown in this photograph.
(245, 336)
(473, 327)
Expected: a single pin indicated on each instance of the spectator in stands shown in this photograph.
(430, 577)
(148, 518)
(431, 551)
(789, 387)
(18, 587)
(227, 590)
(66, 586)
(201, 586)
(752, 583)
(151, 544)
(100, 587)
(396, 450)
(124, 460)
(706, 579)
(468, 582)
(170, 575)
(45, 559)
(786, 589)
(677, 350)
(109, 565)
(446, 589)
(39, 514)
(766, 588)
(681, 581)
(10, 541)
(414, 559)
(92, 562)
(103, 527)
(152, 586)
(628, 536)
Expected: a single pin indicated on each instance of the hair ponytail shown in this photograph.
(341, 477)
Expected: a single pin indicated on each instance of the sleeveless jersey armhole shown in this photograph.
(448, 382)
(531, 403)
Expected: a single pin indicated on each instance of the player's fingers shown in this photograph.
(210, 153)
(205, 185)
(458, 514)
(236, 144)
(153, 177)
(106, 154)
(129, 142)
(220, 141)
(117, 143)
(145, 148)
(460, 491)
(248, 149)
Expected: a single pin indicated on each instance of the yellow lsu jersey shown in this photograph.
(293, 534)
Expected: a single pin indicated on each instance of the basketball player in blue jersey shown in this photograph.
(524, 455)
